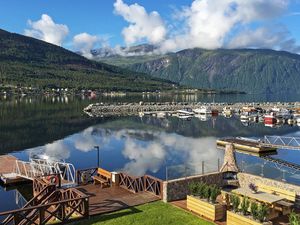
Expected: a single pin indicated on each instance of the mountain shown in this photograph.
(248, 70)
(136, 50)
(26, 61)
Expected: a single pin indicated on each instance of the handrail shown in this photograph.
(30, 202)
(69, 206)
(144, 183)
(41, 206)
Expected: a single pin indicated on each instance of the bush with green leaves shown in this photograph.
(206, 192)
(253, 210)
(262, 212)
(214, 192)
(193, 188)
(235, 201)
(245, 205)
(294, 218)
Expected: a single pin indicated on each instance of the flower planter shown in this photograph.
(210, 211)
(237, 219)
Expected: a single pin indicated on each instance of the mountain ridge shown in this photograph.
(25, 61)
(250, 70)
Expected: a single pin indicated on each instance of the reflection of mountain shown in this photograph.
(222, 127)
(28, 125)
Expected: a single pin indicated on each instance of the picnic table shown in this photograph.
(259, 196)
(277, 203)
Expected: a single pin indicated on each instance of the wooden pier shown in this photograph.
(7, 170)
(251, 147)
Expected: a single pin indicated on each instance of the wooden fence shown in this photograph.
(143, 183)
(58, 206)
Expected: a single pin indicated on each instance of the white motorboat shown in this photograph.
(203, 110)
(186, 111)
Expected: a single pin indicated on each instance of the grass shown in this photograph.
(148, 214)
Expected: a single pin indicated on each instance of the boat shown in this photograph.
(203, 110)
(186, 111)
(161, 114)
(227, 110)
(270, 119)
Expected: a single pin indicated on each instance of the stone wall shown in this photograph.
(245, 179)
(178, 189)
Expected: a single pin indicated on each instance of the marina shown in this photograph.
(179, 144)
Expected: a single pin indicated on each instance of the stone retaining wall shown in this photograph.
(178, 189)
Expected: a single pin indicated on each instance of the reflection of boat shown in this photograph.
(187, 111)
(298, 121)
(203, 110)
(185, 117)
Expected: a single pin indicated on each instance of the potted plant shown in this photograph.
(203, 201)
(256, 216)
(294, 218)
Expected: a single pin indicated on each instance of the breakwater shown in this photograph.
(105, 109)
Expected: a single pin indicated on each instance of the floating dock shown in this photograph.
(247, 146)
(7, 170)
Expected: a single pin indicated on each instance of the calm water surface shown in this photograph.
(166, 148)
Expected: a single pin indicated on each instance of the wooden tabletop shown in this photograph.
(259, 196)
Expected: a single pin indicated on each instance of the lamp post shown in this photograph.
(98, 155)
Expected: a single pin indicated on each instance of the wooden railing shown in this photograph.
(36, 200)
(153, 185)
(131, 183)
(143, 183)
(41, 182)
(59, 206)
(87, 173)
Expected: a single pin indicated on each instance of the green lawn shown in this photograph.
(157, 213)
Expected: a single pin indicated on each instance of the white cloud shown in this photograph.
(210, 23)
(142, 26)
(265, 38)
(47, 30)
(84, 43)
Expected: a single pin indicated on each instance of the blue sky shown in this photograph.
(176, 22)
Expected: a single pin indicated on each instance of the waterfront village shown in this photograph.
(62, 193)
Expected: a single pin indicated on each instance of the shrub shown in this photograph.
(253, 210)
(193, 188)
(294, 218)
(214, 192)
(201, 189)
(206, 192)
(235, 201)
(245, 205)
(262, 212)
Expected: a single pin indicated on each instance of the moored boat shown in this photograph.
(203, 110)
(270, 118)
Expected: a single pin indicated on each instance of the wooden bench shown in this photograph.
(103, 177)
(289, 195)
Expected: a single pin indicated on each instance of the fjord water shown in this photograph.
(58, 127)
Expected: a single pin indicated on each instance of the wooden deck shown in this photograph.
(7, 163)
(113, 199)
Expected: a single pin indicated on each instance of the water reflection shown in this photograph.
(136, 152)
